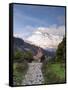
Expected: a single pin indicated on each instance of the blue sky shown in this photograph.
(28, 18)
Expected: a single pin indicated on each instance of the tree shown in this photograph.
(43, 58)
(28, 56)
(61, 51)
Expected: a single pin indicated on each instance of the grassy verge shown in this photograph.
(19, 71)
(53, 73)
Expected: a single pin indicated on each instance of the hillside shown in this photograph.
(61, 51)
(55, 71)
(21, 45)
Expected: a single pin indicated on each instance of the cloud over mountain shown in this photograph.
(47, 37)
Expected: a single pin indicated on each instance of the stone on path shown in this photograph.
(33, 75)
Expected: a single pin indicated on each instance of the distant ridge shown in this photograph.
(20, 44)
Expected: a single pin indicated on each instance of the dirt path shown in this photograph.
(33, 75)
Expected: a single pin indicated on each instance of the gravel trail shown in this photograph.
(34, 74)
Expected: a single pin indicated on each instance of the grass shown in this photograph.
(58, 70)
(53, 73)
(19, 71)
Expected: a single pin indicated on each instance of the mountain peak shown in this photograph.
(44, 39)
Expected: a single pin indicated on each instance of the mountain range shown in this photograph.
(48, 42)
(21, 45)
(44, 40)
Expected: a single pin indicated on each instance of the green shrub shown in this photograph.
(53, 73)
(20, 56)
(19, 71)
(54, 70)
(61, 51)
(28, 55)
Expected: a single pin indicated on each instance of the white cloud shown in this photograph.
(60, 30)
(27, 31)
(24, 32)
(19, 34)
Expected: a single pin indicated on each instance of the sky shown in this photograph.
(27, 19)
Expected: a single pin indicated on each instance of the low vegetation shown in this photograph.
(54, 70)
(19, 71)
(20, 66)
(53, 73)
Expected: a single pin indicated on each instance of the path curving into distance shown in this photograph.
(34, 74)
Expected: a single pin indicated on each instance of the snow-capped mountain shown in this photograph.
(44, 39)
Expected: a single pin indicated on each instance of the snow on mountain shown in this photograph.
(44, 39)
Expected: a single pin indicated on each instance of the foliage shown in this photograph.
(20, 56)
(53, 73)
(43, 58)
(54, 70)
(20, 65)
(28, 55)
(19, 70)
(61, 52)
